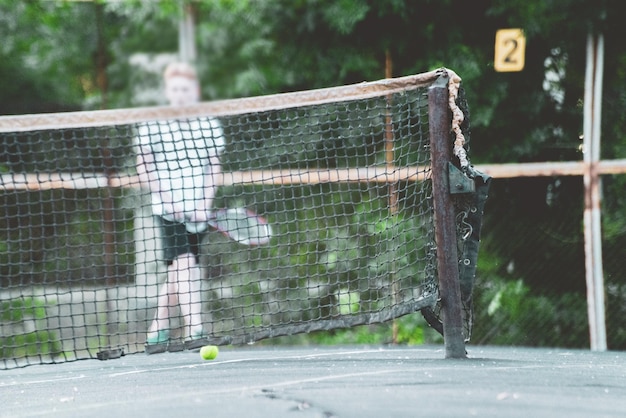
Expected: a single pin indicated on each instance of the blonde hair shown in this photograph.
(180, 69)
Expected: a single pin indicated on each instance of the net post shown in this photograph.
(445, 226)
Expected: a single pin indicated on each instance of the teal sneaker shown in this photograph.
(158, 342)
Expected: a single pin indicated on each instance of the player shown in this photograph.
(178, 161)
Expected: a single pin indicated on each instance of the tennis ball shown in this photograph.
(209, 352)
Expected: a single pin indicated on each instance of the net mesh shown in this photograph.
(343, 183)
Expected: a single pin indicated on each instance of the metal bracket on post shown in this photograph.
(459, 182)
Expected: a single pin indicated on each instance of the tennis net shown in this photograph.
(345, 178)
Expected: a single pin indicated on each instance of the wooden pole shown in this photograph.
(186, 33)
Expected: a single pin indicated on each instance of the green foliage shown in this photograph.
(357, 335)
(336, 251)
(46, 55)
(344, 15)
(409, 330)
(25, 320)
(509, 313)
(16, 310)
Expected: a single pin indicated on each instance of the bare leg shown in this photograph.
(189, 293)
(181, 288)
(166, 302)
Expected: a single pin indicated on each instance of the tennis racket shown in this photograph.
(239, 224)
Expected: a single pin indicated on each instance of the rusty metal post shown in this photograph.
(445, 224)
(592, 182)
(392, 187)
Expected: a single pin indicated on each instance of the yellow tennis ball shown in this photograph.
(209, 352)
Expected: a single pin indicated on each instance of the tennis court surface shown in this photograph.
(373, 381)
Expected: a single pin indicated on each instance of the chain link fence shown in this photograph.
(531, 287)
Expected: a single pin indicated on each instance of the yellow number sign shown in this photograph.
(510, 50)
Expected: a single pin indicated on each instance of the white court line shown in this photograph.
(242, 360)
(35, 382)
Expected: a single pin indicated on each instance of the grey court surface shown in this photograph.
(325, 382)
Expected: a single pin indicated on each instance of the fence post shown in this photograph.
(592, 182)
(445, 224)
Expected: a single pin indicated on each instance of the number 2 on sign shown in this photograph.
(510, 50)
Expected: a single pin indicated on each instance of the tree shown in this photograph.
(46, 56)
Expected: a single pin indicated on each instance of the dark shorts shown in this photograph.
(177, 240)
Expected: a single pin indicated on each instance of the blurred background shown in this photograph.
(530, 288)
